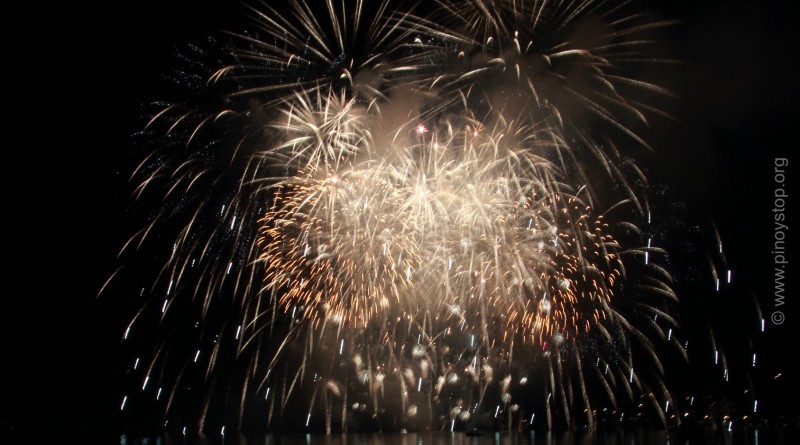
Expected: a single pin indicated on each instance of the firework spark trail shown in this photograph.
(403, 215)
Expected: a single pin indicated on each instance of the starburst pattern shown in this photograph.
(425, 216)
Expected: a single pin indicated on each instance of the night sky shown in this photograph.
(77, 99)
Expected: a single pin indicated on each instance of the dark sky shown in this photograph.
(75, 99)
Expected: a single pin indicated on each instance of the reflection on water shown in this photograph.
(640, 436)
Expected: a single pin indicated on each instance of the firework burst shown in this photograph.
(394, 218)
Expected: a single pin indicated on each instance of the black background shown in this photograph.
(79, 74)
